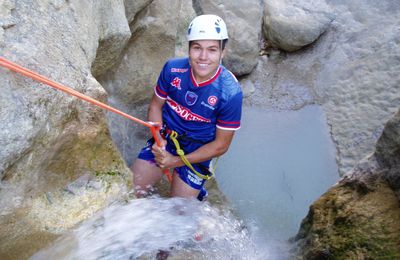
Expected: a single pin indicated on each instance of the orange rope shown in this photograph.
(154, 127)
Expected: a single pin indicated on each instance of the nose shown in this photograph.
(203, 54)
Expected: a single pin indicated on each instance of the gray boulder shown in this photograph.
(290, 25)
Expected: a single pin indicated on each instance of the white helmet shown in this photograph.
(207, 27)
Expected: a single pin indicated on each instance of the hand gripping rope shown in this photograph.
(173, 136)
(154, 126)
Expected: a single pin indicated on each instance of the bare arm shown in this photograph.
(213, 149)
(154, 113)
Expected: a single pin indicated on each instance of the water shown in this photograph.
(138, 229)
(278, 164)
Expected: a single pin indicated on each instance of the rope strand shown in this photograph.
(154, 127)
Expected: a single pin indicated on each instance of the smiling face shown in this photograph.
(205, 57)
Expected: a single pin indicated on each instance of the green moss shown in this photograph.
(90, 151)
(350, 238)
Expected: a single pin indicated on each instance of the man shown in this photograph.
(199, 100)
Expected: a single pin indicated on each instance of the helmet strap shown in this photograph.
(220, 46)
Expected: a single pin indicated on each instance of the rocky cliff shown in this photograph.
(58, 164)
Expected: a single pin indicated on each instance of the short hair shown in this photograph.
(223, 45)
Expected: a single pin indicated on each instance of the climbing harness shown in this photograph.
(154, 126)
(173, 136)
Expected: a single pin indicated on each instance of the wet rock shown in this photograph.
(77, 202)
(77, 187)
(53, 213)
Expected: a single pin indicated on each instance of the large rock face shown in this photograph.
(359, 78)
(48, 138)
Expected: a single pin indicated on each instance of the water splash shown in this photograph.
(138, 229)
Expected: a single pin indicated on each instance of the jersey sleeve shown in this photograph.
(161, 89)
(230, 114)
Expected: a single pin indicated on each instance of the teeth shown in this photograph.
(203, 65)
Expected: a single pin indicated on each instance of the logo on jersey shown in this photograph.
(178, 70)
(194, 178)
(190, 98)
(207, 105)
(185, 113)
(212, 100)
(176, 82)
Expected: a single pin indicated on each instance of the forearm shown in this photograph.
(217, 147)
(154, 113)
(206, 152)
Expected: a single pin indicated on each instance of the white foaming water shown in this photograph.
(142, 227)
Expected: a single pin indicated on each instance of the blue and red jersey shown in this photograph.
(196, 110)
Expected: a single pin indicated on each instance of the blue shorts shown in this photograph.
(184, 172)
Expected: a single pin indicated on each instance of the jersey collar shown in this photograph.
(208, 81)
